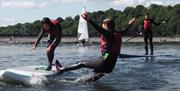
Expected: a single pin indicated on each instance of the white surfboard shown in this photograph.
(83, 28)
(27, 75)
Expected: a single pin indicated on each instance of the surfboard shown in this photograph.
(26, 74)
(134, 56)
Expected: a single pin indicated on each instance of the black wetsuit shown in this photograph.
(104, 64)
(147, 33)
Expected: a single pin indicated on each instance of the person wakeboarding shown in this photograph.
(147, 32)
(54, 30)
(110, 45)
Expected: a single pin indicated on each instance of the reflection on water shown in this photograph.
(161, 73)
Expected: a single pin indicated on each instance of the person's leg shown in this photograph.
(61, 69)
(93, 64)
(151, 42)
(72, 67)
(146, 43)
(106, 67)
(95, 77)
(50, 56)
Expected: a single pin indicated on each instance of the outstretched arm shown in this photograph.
(96, 26)
(39, 38)
(88, 19)
(130, 23)
(155, 23)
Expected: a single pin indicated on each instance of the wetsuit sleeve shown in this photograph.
(39, 37)
(155, 23)
(125, 30)
(99, 28)
(96, 26)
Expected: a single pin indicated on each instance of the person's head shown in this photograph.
(46, 23)
(146, 15)
(108, 23)
(83, 41)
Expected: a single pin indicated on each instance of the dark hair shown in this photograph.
(46, 20)
(147, 13)
(111, 22)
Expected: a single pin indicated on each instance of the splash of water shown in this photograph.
(37, 80)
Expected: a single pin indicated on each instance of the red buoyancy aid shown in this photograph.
(147, 24)
(116, 46)
(103, 43)
(55, 23)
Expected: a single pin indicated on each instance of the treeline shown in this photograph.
(171, 14)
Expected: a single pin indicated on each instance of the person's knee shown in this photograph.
(146, 45)
(146, 41)
(108, 70)
(150, 42)
(81, 64)
(50, 51)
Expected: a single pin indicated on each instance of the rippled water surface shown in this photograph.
(161, 73)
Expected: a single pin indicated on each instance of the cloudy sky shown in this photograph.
(21, 11)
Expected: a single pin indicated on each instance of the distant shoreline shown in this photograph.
(31, 40)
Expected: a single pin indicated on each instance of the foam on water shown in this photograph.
(37, 80)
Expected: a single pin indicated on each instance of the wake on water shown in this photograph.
(31, 81)
(81, 79)
(39, 80)
(35, 81)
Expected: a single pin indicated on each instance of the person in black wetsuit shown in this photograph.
(54, 30)
(147, 32)
(110, 45)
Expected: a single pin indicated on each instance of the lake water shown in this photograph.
(161, 73)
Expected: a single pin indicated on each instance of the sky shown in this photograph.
(21, 11)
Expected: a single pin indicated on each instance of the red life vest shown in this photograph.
(55, 22)
(53, 31)
(116, 46)
(147, 24)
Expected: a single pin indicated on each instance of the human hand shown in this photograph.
(85, 16)
(33, 48)
(132, 21)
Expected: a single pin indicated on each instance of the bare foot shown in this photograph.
(58, 67)
(48, 68)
